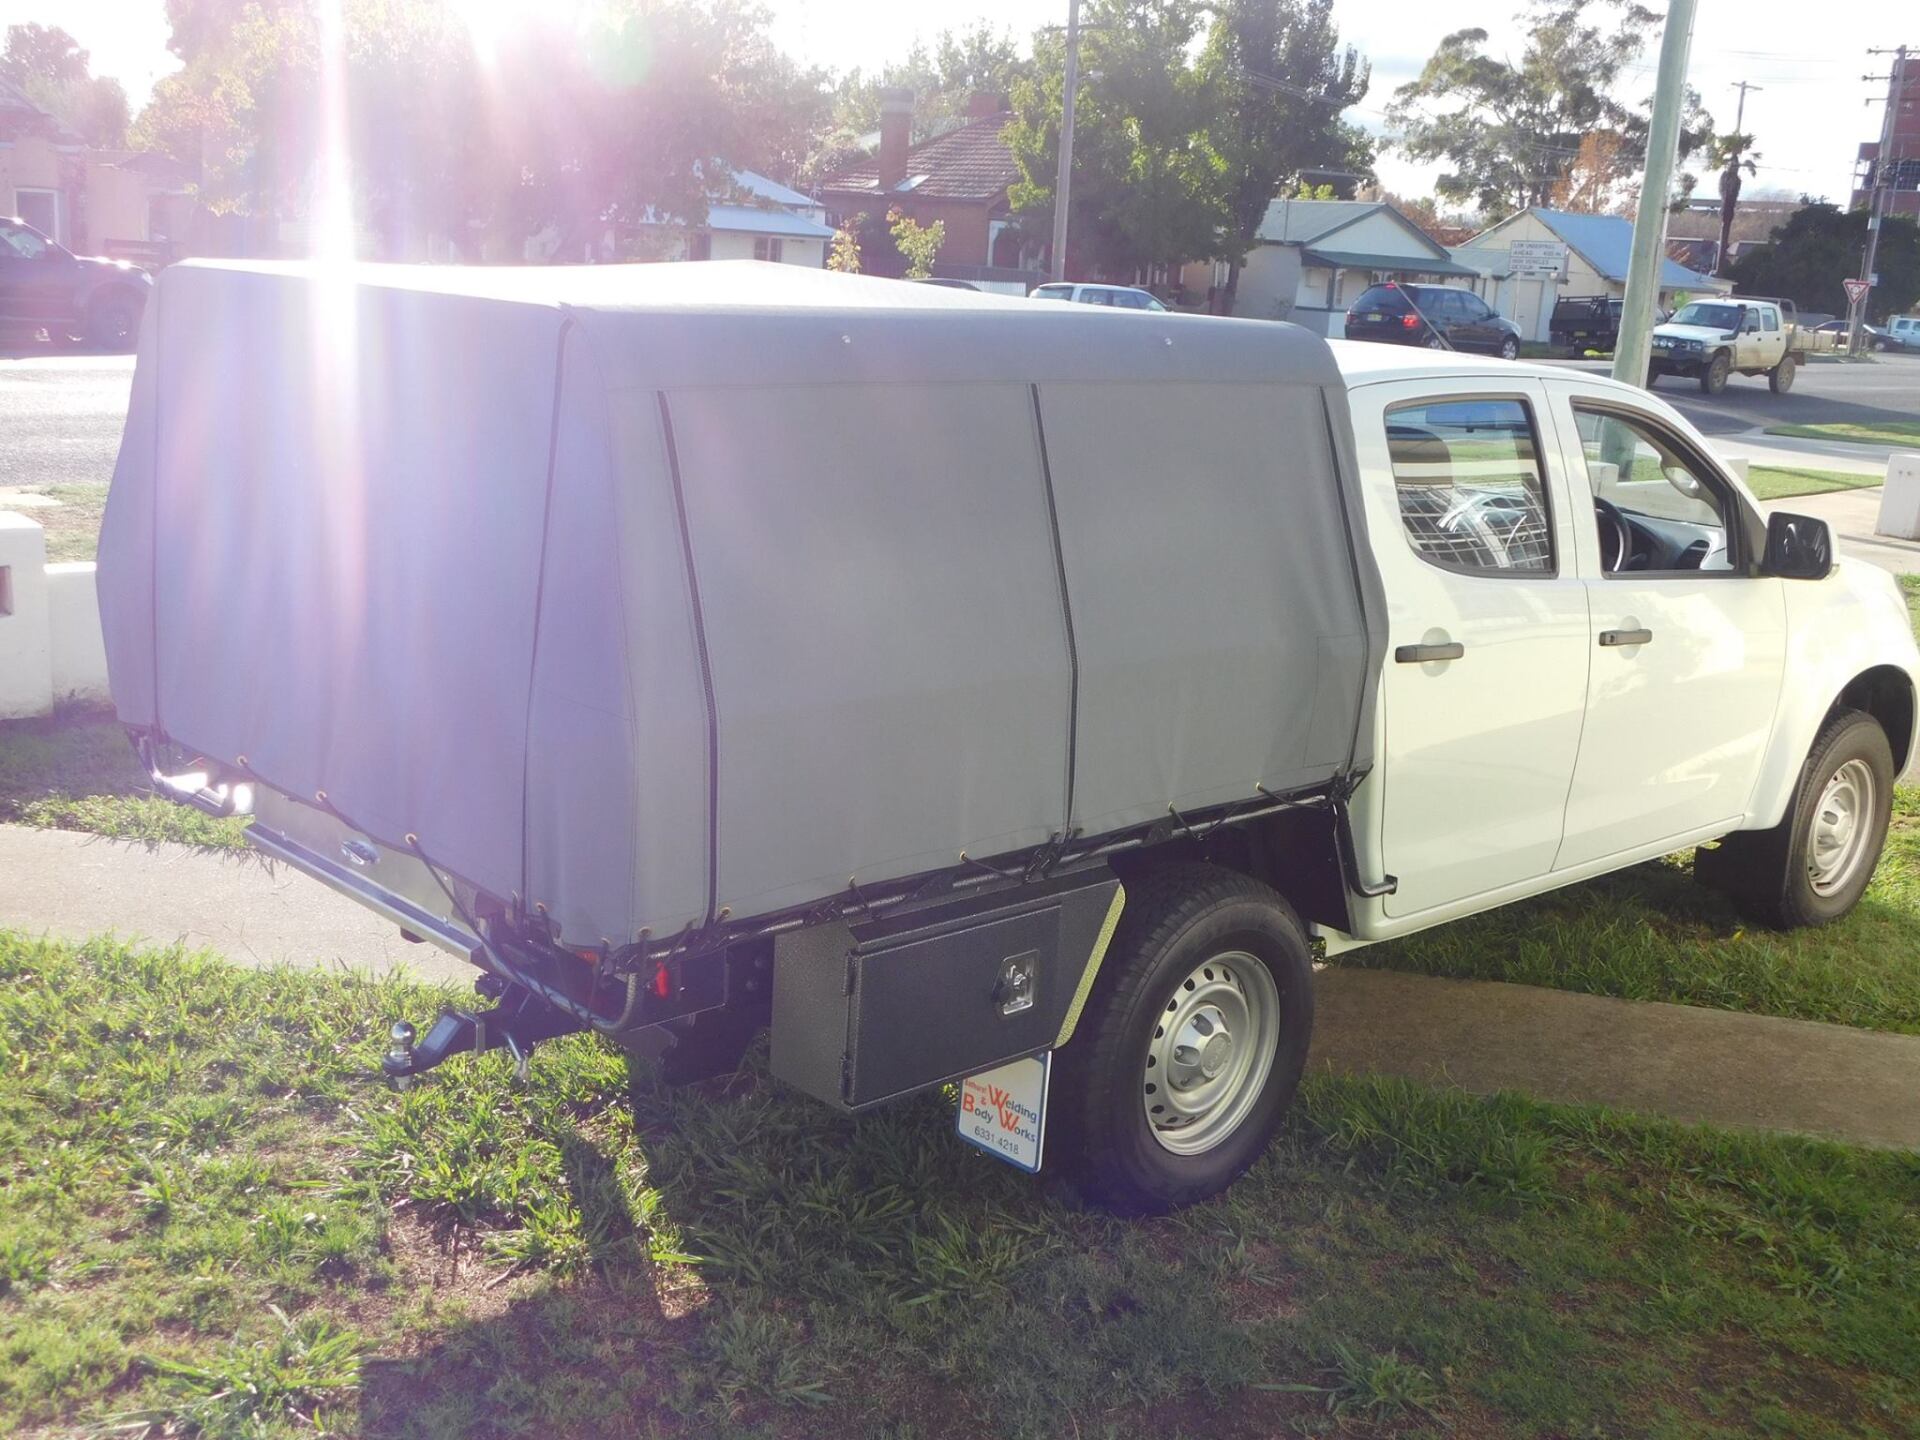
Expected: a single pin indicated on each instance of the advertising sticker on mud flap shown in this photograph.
(1004, 1111)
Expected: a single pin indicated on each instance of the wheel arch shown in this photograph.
(1886, 693)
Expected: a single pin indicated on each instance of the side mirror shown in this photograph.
(1799, 547)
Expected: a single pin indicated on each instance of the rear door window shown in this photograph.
(1471, 489)
(1053, 292)
(1387, 299)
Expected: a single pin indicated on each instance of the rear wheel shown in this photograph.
(1813, 867)
(1780, 378)
(1713, 379)
(1192, 1044)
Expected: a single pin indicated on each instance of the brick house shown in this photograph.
(91, 201)
(959, 178)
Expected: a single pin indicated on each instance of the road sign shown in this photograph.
(1856, 291)
(1536, 259)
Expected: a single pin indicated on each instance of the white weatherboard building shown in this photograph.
(1596, 250)
(1313, 258)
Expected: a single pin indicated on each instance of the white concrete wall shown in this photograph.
(77, 650)
(734, 245)
(51, 647)
(1268, 282)
(26, 668)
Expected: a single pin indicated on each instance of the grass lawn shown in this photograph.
(1891, 432)
(76, 771)
(1777, 482)
(214, 1222)
(72, 525)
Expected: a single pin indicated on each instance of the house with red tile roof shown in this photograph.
(959, 178)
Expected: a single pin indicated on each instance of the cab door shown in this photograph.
(1687, 647)
(1486, 672)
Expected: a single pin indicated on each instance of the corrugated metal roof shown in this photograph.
(771, 190)
(1404, 264)
(970, 163)
(1606, 243)
(1292, 222)
(752, 220)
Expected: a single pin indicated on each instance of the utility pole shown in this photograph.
(1730, 181)
(1883, 166)
(1063, 181)
(1635, 344)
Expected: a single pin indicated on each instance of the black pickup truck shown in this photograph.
(1585, 322)
(45, 287)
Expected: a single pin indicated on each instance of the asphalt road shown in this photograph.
(60, 413)
(60, 416)
(1824, 393)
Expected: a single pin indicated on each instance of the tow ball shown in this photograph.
(517, 1024)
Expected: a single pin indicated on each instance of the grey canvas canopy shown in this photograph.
(649, 593)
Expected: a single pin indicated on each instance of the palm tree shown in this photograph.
(1732, 154)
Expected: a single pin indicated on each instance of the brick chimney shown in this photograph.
(896, 127)
(980, 105)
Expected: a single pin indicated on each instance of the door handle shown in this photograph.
(1626, 637)
(1422, 654)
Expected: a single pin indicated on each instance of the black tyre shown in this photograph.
(1780, 378)
(1434, 342)
(1713, 379)
(113, 323)
(1191, 1045)
(1813, 866)
(1509, 348)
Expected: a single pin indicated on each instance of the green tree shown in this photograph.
(1275, 79)
(54, 72)
(1147, 185)
(919, 245)
(1512, 129)
(844, 253)
(1821, 245)
(636, 115)
(1730, 155)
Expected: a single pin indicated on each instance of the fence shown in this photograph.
(50, 645)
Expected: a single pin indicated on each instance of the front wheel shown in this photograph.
(1813, 867)
(1780, 378)
(113, 323)
(1192, 1044)
(1509, 348)
(1713, 379)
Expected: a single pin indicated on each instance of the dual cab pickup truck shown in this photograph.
(1017, 696)
(1711, 339)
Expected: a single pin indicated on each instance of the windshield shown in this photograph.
(1054, 292)
(1711, 317)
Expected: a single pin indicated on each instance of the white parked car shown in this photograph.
(1118, 297)
(1903, 332)
(973, 691)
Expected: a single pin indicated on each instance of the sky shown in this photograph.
(1808, 116)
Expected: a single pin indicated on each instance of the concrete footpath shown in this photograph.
(1680, 1061)
(74, 886)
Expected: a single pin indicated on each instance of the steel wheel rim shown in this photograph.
(1842, 827)
(1210, 1053)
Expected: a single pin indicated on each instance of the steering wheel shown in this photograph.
(1613, 527)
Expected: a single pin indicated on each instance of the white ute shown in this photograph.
(1017, 696)
(1712, 339)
